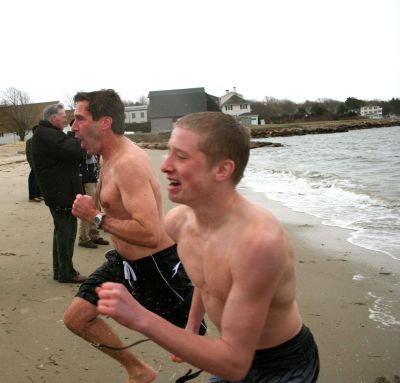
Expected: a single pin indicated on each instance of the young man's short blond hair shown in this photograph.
(223, 138)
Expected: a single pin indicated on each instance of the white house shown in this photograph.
(371, 111)
(234, 104)
(135, 113)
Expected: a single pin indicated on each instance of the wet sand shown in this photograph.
(36, 346)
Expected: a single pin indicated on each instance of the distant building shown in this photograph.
(234, 104)
(167, 106)
(28, 115)
(371, 111)
(136, 113)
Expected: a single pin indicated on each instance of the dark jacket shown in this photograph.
(88, 166)
(55, 160)
(89, 169)
(28, 152)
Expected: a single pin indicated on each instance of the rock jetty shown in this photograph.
(320, 127)
(158, 141)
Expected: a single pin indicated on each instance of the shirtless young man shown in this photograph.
(239, 258)
(145, 258)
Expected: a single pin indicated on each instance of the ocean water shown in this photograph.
(350, 180)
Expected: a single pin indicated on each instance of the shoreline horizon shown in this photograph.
(344, 230)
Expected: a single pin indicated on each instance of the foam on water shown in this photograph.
(381, 311)
(351, 187)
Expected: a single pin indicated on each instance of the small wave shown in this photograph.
(374, 223)
(314, 175)
(382, 241)
(348, 180)
(380, 311)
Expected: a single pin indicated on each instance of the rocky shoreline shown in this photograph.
(320, 127)
(164, 145)
(158, 141)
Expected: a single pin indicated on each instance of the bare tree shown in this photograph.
(128, 102)
(142, 100)
(17, 111)
(69, 101)
(330, 104)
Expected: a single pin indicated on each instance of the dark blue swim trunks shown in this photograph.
(158, 282)
(295, 361)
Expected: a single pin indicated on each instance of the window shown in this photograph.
(133, 115)
(142, 114)
(228, 107)
(243, 106)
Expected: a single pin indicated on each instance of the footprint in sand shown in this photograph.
(386, 379)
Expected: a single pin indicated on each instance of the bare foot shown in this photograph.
(144, 374)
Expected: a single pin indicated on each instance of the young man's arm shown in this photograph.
(196, 315)
(243, 318)
(173, 221)
(143, 223)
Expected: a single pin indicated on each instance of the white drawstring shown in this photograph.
(129, 273)
(175, 269)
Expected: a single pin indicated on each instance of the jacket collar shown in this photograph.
(47, 124)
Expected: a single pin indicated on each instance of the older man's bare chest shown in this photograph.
(110, 196)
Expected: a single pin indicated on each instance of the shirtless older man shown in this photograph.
(145, 258)
(239, 258)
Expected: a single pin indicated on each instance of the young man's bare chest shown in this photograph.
(207, 262)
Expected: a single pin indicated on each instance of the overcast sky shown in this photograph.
(295, 49)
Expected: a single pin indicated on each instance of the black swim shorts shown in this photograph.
(158, 282)
(295, 361)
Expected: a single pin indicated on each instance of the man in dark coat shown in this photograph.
(55, 158)
(35, 195)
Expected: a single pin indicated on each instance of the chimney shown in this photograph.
(227, 91)
(234, 89)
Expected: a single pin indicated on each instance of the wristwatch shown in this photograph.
(98, 220)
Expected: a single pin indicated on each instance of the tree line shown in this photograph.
(279, 111)
(18, 114)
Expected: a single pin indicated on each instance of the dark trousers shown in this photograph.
(33, 186)
(65, 228)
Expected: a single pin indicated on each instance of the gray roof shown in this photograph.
(178, 102)
(235, 100)
(248, 114)
(133, 108)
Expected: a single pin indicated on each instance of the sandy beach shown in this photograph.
(342, 297)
